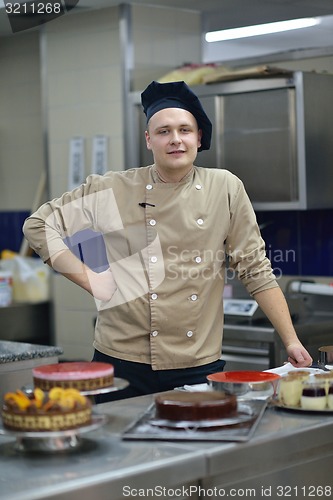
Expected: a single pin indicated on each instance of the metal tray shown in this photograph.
(118, 385)
(278, 404)
(147, 427)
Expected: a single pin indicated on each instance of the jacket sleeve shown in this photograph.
(245, 247)
(47, 229)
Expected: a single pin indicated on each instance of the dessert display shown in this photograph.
(80, 375)
(313, 397)
(306, 391)
(195, 406)
(291, 386)
(59, 410)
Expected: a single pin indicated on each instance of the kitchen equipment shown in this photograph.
(240, 430)
(250, 342)
(242, 307)
(242, 382)
(325, 356)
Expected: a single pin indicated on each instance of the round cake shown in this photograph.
(58, 410)
(195, 406)
(80, 375)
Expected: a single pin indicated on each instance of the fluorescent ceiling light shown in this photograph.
(261, 29)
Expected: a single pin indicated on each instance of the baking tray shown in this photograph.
(145, 428)
(279, 404)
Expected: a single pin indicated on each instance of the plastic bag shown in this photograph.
(31, 278)
(192, 74)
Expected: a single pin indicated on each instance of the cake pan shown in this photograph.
(242, 382)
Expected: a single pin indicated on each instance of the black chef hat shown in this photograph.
(159, 96)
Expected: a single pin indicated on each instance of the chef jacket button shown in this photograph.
(198, 186)
(154, 333)
(189, 334)
(194, 296)
(153, 258)
(198, 260)
(200, 222)
(154, 296)
(149, 187)
(152, 222)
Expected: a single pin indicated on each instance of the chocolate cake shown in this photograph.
(195, 406)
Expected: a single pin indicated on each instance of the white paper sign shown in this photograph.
(99, 164)
(76, 162)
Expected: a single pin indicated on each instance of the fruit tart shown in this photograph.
(57, 410)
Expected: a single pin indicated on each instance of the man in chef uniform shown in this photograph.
(170, 230)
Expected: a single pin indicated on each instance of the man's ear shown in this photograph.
(199, 137)
(147, 136)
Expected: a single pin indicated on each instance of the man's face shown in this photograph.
(174, 139)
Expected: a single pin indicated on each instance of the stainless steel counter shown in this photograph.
(289, 449)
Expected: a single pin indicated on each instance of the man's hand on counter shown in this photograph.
(298, 356)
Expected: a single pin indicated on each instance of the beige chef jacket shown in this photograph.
(167, 245)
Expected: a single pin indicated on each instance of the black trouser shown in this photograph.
(143, 380)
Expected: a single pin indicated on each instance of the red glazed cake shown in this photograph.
(58, 410)
(80, 375)
(195, 406)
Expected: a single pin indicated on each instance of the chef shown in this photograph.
(170, 230)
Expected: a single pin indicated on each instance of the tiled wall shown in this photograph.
(163, 39)
(84, 89)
